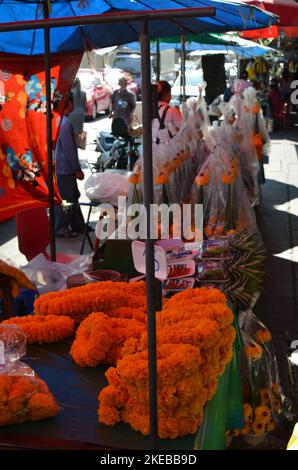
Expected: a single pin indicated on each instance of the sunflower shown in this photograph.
(258, 427)
(265, 395)
(263, 414)
(247, 411)
(271, 426)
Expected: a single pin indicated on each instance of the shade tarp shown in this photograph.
(287, 11)
(226, 45)
(229, 16)
(23, 137)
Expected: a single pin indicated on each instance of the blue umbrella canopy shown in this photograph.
(229, 16)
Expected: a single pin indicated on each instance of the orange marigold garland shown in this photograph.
(79, 302)
(48, 329)
(25, 398)
(197, 319)
(180, 393)
(99, 339)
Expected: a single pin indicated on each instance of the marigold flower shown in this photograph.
(228, 178)
(161, 179)
(263, 336)
(203, 179)
(21, 399)
(253, 351)
(135, 178)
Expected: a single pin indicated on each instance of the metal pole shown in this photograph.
(157, 59)
(47, 65)
(118, 17)
(148, 200)
(183, 68)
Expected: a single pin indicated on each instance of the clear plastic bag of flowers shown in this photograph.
(23, 395)
(198, 121)
(264, 400)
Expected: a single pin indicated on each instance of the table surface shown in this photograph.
(76, 426)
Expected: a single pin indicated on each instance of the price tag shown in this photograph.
(160, 259)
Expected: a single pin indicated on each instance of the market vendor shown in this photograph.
(169, 118)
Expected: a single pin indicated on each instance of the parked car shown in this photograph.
(112, 75)
(193, 79)
(98, 92)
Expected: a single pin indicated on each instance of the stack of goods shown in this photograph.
(195, 340)
(233, 264)
(23, 395)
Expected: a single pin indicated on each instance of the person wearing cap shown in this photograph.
(123, 103)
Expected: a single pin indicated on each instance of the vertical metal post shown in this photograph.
(148, 200)
(183, 55)
(157, 59)
(50, 182)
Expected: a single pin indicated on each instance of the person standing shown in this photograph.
(169, 117)
(68, 220)
(123, 103)
(77, 116)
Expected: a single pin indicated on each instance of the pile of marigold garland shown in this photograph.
(195, 342)
(195, 339)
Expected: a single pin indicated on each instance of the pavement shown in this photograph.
(278, 222)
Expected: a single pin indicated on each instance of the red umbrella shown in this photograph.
(287, 10)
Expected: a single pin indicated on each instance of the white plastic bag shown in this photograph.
(50, 276)
(106, 187)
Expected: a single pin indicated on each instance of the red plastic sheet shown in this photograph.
(23, 138)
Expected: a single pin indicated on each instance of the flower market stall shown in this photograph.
(121, 384)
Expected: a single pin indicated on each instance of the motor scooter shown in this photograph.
(113, 152)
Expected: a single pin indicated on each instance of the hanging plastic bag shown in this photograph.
(264, 399)
(24, 396)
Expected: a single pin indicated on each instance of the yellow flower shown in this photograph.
(258, 427)
(271, 426)
(263, 414)
(247, 411)
(276, 405)
(265, 395)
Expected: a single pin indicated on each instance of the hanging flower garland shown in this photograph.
(48, 329)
